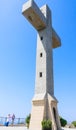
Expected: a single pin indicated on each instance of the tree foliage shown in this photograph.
(46, 125)
(63, 121)
(74, 123)
(28, 120)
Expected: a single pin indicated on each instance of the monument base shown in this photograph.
(44, 106)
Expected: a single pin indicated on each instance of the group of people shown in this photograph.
(9, 119)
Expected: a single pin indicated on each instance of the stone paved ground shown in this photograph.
(12, 128)
(24, 128)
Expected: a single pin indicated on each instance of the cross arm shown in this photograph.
(34, 15)
(56, 41)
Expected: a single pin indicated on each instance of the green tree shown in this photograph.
(27, 120)
(46, 125)
(63, 121)
(74, 123)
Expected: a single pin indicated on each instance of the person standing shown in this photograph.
(13, 118)
(7, 120)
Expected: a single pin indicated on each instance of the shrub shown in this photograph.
(46, 125)
(74, 123)
(63, 121)
(28, 120)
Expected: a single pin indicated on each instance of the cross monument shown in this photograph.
(44, 103)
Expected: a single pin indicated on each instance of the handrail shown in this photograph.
(17, 121)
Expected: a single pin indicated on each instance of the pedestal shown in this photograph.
(44, 106)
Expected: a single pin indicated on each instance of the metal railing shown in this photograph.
(17, 121)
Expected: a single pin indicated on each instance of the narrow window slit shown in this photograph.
(41, 54)
(41, 38)
(40, 74)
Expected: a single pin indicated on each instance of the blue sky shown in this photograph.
(18, 57)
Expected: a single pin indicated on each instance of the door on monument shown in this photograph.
(55, 118)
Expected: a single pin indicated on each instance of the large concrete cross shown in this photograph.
(38, 18)
(44, 104)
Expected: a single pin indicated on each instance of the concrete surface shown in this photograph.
(12, 128)
(24, 128)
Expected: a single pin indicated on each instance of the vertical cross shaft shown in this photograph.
(44, 63)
